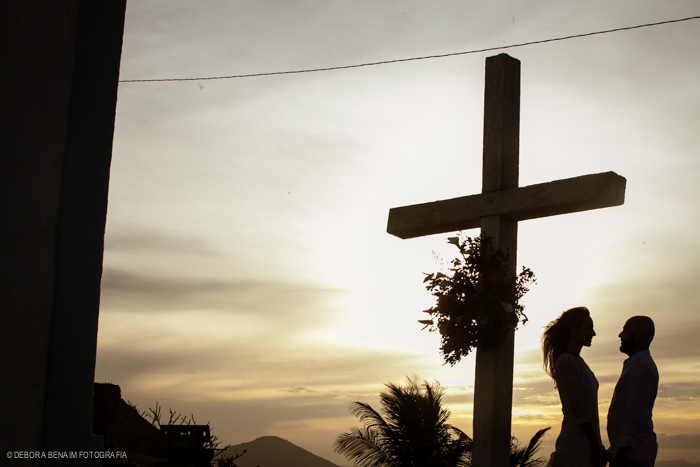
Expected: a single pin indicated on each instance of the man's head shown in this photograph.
(636, 335)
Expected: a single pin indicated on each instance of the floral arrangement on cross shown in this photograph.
(478, 300)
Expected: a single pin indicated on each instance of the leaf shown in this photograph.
(508, 307)
(429, 322)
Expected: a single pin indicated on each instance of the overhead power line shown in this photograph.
(384, 62)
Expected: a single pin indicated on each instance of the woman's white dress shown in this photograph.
(578, 391)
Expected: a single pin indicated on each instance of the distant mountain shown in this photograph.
(271, 451)
(678, 463)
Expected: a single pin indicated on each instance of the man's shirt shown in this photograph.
(629, 417)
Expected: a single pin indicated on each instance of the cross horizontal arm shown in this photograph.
(542, 200)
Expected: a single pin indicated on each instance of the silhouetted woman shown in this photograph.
(578, 444)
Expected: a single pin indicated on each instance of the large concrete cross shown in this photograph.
(497, 211)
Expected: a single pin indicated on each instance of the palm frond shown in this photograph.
(459, 450)
(368, 416)
(411, 430)
(533, 448)
(363, 448)
(524, 457)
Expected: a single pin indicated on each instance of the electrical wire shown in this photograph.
(384, 62)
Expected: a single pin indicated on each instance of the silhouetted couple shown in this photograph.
(630, 429)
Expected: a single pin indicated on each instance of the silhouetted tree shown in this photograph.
(410, 431)
(525, 456)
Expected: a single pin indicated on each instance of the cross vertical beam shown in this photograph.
(493, 393)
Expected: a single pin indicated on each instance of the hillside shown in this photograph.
(271, 451)
(121, 425)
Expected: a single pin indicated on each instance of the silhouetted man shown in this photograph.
(630, 429)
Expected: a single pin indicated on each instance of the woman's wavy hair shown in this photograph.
(556, 336)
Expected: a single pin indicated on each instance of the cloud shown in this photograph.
(678, 441)
(537, 393)
(247, 364)
(301, 391)
(127, 291)
(143, 240)
(124, 291)
(688, 391)
(459, 395)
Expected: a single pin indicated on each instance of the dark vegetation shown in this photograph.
(478, 299)
(140, 434)
(411, 430)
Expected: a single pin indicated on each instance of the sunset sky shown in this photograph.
(248, 276)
